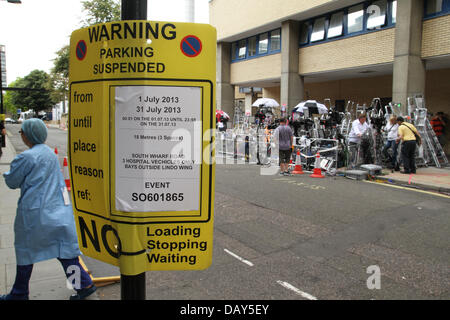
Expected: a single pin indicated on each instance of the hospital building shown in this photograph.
(294, 50)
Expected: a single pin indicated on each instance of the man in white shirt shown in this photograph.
(359, 126)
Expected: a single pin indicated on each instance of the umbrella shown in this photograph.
(220, 113)
(265, 102)
(310, 104)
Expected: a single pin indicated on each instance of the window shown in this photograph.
(304, 31)
(263, 42)
(242, 49)
(257, 45)
(376, 14)
(318, 32)
(335, 29)
(367, 16)
(394, 11)
(355, 18)
(275, 40)
(433, 6)
(252, 46)
(233, 51)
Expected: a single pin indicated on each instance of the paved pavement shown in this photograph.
(430, 178)
(427, 179)
(48, 279)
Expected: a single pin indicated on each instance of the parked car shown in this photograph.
(9, 120)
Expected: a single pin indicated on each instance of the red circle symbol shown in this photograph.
(191, 46)
(81, 50)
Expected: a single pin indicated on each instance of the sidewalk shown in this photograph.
(427, 178)
(48, 281)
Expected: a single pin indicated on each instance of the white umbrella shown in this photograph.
(265, 102)
(304, 105)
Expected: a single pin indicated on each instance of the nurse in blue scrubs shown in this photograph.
(44, 226)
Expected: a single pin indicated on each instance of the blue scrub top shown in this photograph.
(44, 225)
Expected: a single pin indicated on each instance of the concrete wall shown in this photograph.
(367, 49)
(272, 92)
(361, 90)
(267, 67)
(436, 37)
(437, 92)
(437, 97)
(235, 16)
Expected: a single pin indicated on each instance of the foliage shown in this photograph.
(100, 11)
(59, 76)
(38, 100)
(97, 11)
(10, 107)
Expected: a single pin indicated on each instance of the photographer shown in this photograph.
(407, 133)
(392, 135)
(438, 123)
(359, 127)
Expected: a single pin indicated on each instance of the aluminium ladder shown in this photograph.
(432, 149)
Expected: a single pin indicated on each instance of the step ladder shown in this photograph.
(439, 156)
(347, 120)
(432, 149)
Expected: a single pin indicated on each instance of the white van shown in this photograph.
(26, 115)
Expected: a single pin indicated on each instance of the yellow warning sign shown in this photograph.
(142, 113)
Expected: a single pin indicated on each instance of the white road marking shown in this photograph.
(239, 258)
(297, 291)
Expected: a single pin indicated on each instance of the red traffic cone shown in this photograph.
(317, 173)
(66, 173)
(298, 166)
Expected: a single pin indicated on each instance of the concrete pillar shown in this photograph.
(291, 91)
(248, 102)
(409, 69)
(224, 89)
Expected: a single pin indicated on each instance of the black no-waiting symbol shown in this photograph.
(191, 46)
(81, 50)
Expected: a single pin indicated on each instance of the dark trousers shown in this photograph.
(23, 275)
(394, 145)
(409, 156)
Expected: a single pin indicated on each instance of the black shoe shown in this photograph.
(405, 172)
(83, 293)
(397, 169)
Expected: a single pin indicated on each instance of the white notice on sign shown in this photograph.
(156, 153)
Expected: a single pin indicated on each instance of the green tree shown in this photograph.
(97, 11)
(38, 99)
(100, 11)
(8, 98)
(12, 100)
(59, 75)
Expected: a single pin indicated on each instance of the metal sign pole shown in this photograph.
(133, 287)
